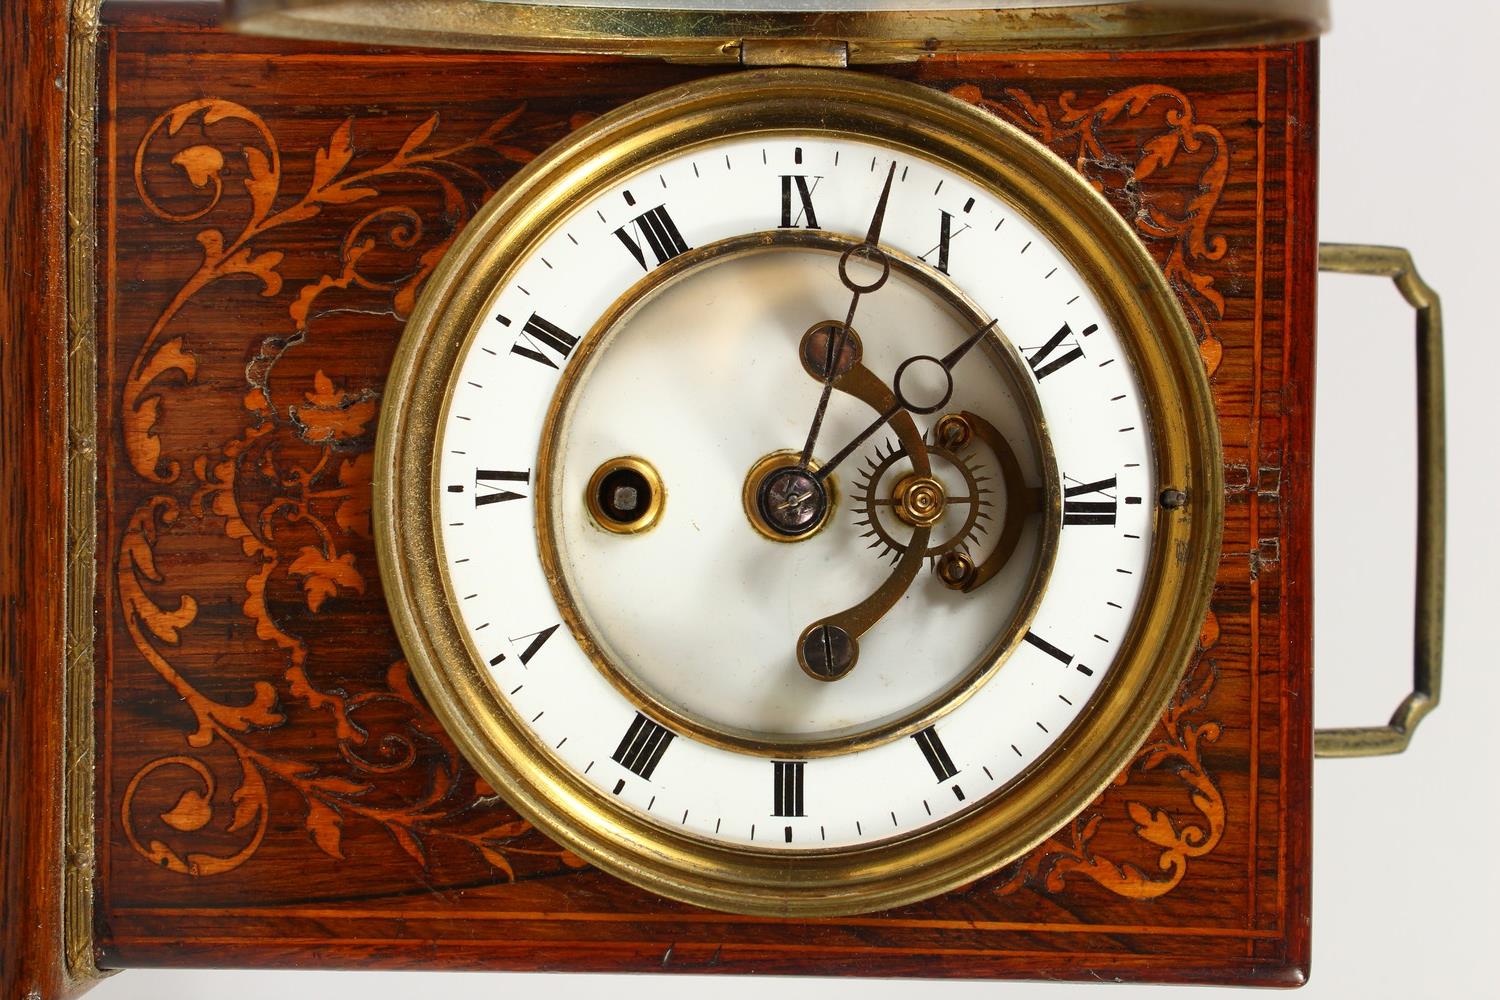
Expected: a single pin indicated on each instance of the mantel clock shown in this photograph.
(704, 486)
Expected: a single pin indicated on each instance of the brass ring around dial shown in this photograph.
(1001, 827)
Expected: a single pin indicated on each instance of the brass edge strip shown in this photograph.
(81, 376)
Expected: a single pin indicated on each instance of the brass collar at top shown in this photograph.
(707, 31)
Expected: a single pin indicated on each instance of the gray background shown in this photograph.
(1405, 880)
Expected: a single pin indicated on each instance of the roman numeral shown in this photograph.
(787, 795)
(1090, 511)
(641, 749)
(485, 493)
(804, 199)
(537, 334)
(936, 753)
(538, 640)
(945, 241)
(1048, 648)
(1041, 367)
(660, 234)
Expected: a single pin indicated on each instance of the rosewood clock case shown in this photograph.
(214, 242)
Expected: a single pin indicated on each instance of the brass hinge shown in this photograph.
(794, 52)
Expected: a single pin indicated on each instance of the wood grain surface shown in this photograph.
(272, 790)
(33, 457)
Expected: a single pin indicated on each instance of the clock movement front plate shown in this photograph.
(272, 788)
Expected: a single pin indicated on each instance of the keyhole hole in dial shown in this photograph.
(625, 495)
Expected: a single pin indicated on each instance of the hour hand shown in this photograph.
(864, 385)
(911, 395)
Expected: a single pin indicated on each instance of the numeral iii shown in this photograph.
(1101, 507)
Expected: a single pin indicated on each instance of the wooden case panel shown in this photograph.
(34, 452)
(272, 789)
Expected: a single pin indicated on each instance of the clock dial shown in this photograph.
(663, 665)
(794, 491)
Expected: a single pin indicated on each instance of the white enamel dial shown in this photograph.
(661, 665)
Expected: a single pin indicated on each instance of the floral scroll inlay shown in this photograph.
(291, 492)
(1179, 227)
(240, 257)
(1160, 213)
(1175, 747)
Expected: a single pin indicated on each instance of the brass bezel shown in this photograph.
(1132, 292)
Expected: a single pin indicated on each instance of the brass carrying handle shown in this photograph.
(1427, 645)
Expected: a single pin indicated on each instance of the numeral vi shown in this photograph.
(487, 489)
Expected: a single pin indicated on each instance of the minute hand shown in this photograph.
(903, 401)
(870, 249)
